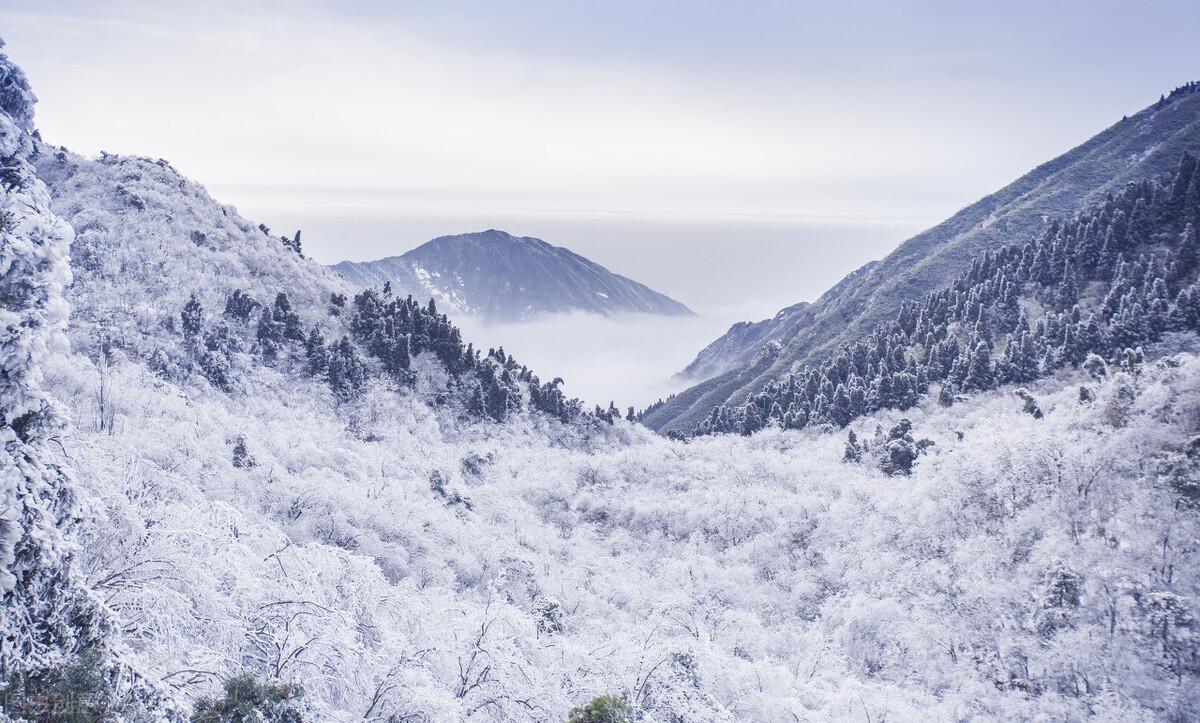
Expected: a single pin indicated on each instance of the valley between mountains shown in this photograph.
(237, 484)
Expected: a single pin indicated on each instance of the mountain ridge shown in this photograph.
(1140, 146)
(497, 276)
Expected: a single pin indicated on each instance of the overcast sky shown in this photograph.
(740, 156)
(780, 109)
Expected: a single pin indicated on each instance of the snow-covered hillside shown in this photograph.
(147, 239)
(391, 526)
(52, 622)
(1141, 146)
(401, 566)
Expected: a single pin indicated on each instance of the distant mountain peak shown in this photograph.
(496, 276)
(491, 235)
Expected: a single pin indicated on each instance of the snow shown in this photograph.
(791, 584)
(402, 563)
(448, 297)
(47, 614)
(391, 557)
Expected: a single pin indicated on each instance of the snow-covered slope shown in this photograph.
(397, 564)
(403, 559)
(743, 335)
(1141, 146)
(496, 276)
(50, 616)
(147, 239)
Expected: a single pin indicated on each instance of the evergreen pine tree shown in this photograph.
(946, 395)
(269, 335)
(242, 458)
(1185, 314)
(1187, 252)
(316, 355)
(979, 371)
(839, 409)
(476, 401)
(337, 304)
(854, 451)
(287, 319)
(240, 306)
(1068, 290)
(397, 358)
(1141, 225)
(346, 372)
(192, 319)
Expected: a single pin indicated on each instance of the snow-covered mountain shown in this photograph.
(1106, 282)
(230, 486)
(496, 276)
(1140, 146)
